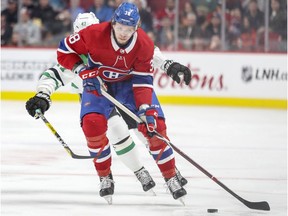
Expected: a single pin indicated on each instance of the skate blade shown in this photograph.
(182, 200)
(152, 192)
(108, 198)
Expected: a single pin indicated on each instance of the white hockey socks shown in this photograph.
(118, 135)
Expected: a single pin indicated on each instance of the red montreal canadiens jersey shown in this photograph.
(118, 64)
(97, 41)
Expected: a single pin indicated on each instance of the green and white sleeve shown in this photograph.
(158, 58)
(53, 78)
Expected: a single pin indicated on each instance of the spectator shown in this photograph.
(278, 19)
(15, 39)
(45, 15)
(188, 8)
(210, 5)
(218, 12)
(28, 34)
(202, 12)
(64, 17)
(165, 36)
(232, 4)
(11, 12)
(114, 3)
(260, 4)
(6, 31)
(247, 39)
(235, 24)
(255, 16)
(59, 5)
(164, 26)
(215, 43)
(275, 29)
(29, 5)
(75, 9)
(166, 13)
(151, 35)
(188, 31)
(145, 15)
(63, 20)
(214, 27)
(235, 27)
(85, 4)
(199, 44)
(103, 12)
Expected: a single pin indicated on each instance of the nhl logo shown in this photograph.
(247, 73)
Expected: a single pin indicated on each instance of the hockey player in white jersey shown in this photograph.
(118, 133)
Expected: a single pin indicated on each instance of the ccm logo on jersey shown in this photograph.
(91, 74)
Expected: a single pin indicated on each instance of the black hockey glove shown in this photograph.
(39, 101)
(175, 70)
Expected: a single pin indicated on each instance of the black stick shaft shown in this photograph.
(253, 205)
(203, 170)
(66, 147)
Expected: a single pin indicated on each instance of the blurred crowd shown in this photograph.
(196, 25)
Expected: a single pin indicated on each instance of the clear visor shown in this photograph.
(124, 30)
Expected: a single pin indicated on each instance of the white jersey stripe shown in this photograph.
(158, 151)
(166, 159)
(103, 159)
(98, 149)
(142, 85)
(141, 73)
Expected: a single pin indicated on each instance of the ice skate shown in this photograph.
(146, 180)
(183, 181)
(175, 188)
(107, 188)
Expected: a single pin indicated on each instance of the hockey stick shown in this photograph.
(70, 152)
(263, 205)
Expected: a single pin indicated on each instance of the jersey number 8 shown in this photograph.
(74, 38)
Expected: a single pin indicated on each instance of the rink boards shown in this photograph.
(222, 79)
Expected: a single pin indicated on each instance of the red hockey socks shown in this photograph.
(161, 152)
(94, 126)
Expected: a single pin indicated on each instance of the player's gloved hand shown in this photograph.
(87, 72)
(175, 70)
(149, 117)
(91, 81)
(93, 85)
(84, 71)
(40, 101)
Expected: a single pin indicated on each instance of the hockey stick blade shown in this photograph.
(69, 151)
(252, 205)
(257, 205)
(263, 205)
(75, 156)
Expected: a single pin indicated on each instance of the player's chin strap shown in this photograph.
(263, 205)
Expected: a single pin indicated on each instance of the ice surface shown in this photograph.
(246, 149)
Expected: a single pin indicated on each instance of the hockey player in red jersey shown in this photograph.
(120, 56)
(118, 133)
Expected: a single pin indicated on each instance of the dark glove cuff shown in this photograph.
(78, 67)
(46, 97)
(166, 65)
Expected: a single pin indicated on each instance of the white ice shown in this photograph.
(246, 149)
